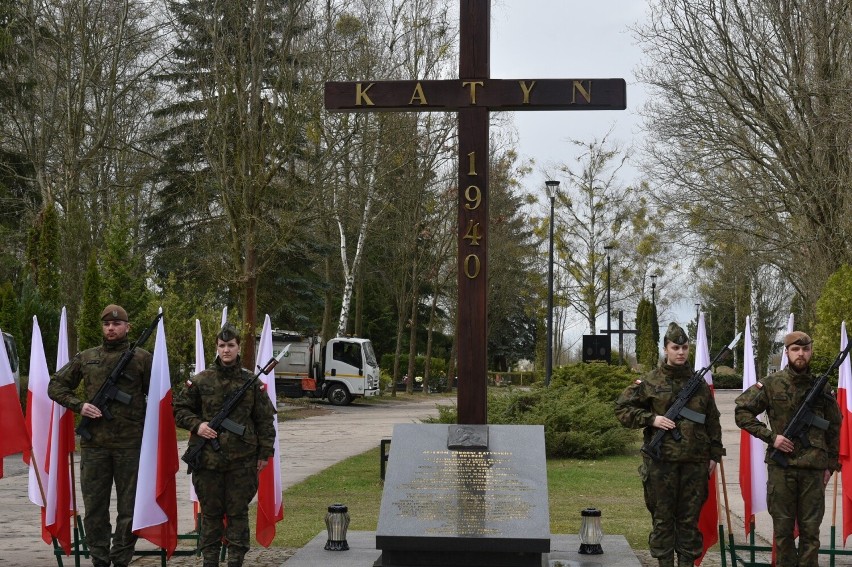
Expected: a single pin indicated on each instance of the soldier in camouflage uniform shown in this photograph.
(675, 486)
(112, 453)
(795, 493)
(226, 480)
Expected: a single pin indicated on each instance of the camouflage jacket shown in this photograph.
(92, 367)
(653, 394)
(203, 397)
(780, 395)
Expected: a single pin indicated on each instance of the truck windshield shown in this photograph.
(369, 354)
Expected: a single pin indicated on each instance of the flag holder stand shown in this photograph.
(751, 559)
(79, 549)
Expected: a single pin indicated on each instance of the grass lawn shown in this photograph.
(611, 485)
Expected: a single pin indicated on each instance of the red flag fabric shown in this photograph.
(270, 507)
(155, 516)
(14, 438)
(708, 521)
(844, 399)
(58, 513)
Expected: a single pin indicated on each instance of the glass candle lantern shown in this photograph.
(590, 532)
(336, 522)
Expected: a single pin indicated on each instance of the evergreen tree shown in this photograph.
(234, 135)
(88, 321)
(124, 277)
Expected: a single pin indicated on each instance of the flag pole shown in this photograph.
(77, 538)
(834, 518)
(728, 513)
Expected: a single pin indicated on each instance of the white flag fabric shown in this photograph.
(39, 408)
(59, 511)
(708, 521)
(753, 472)
(199, 366)
(270, 508)
(224, 316)
(155, 512)
(783, 364)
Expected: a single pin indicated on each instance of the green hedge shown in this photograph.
(576, 411)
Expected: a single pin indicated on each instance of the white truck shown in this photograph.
(340, 370)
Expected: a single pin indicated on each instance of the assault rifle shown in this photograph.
(797, 428)
(109, 389)
(678, 409)
(192, 456)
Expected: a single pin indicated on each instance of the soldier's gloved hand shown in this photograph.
(262, 464)
(826, 476)
(662, 422)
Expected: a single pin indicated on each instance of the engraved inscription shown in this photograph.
(465, 493)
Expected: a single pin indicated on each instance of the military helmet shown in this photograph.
(675, 334)
(229, 332)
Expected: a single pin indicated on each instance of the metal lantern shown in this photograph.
(591, 532)
(336, 522)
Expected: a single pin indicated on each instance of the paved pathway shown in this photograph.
(307, 447)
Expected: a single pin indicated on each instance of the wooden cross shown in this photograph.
(473, 95)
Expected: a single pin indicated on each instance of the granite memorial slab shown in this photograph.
(465, 495)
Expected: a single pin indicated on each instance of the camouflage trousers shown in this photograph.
(674, 494)
(225, 493)
(99, 468)
(796, 494)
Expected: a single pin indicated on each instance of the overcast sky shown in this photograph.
(534, 39)
(537, 39)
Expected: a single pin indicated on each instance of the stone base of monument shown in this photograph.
(563, 552)
(471, 495)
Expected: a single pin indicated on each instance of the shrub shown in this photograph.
(578, 419)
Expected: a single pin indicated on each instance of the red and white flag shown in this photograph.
(270, 507)
(155, 516)
(199, 366)
(14, 437)
(59, 510)
(783, 364)
(39, 408)
(844, 399)
(708, 521)
(753, 473)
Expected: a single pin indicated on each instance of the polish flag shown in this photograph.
(14, 437)
(199, 366)
(59, 511)
(783, 364)
(155, 516)
(753, 473)
(39, 408)
(844, 398)
(270, 507)
(708, 521)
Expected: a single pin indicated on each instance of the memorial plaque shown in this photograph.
(478, 508)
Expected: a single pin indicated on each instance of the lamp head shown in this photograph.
(552, 188)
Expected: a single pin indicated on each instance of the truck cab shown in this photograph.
(343, 369)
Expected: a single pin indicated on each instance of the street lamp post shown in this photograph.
(653, 287)
(608, 297)
(552, 188)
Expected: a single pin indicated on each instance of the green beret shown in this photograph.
(797, 338)
(228, 333)
(114, 312)
(675, 334)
